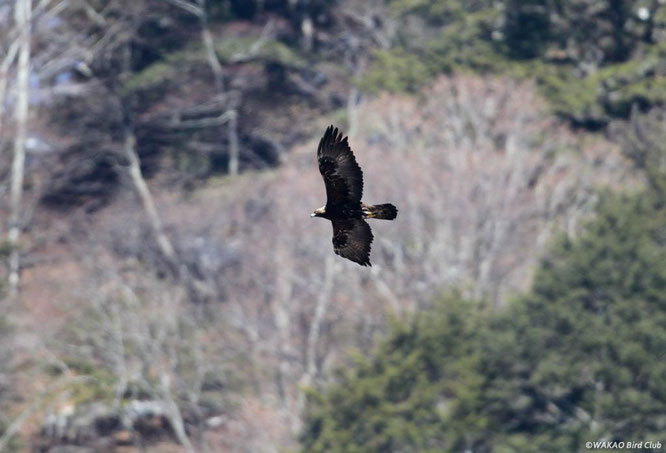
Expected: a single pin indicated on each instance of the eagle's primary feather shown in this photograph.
(337, 164)
(343, 179)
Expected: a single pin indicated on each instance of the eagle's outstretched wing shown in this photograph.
(342, 175)
(352, 239)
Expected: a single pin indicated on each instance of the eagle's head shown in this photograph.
(319, 212)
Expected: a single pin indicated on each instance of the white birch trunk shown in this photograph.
(4, 75)
(234, 151)
(22, 14)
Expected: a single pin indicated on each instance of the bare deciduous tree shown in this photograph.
(478, 189)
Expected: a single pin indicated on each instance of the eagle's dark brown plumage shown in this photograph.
(344, 188)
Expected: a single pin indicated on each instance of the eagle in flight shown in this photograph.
(344, 187)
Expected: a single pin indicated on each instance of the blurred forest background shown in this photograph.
(164, 289)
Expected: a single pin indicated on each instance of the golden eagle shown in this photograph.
(344, 187)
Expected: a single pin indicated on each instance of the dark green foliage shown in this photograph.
(643, 140)
(579, 358)
(607, 93)
(527, 28)
(439, 12)
(457, 38)
(581, 355)
(396, 71)
(411, 395)
(290, 9)
(593, 60)
(90, 181)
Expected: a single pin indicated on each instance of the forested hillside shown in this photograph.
(579, 357)
(164, 289)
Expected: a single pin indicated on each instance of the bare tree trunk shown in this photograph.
(356, 64)
(320, 312)
(4, 70)
(175, 416)
(307, 29)
(207, 38)
(22, 14)
(352, 111)
(231, 98)
(234, 151)
(18, 423)
(37, 403)
(147, 201)
(218, 76)
(313, 335)
(139, 183)
(282, 316)
(4, 80)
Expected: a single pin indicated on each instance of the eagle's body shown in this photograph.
(350, 211)
(344, 188)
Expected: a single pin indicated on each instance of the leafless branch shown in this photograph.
(198, 11)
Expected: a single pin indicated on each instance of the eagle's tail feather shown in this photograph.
(382, 211)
